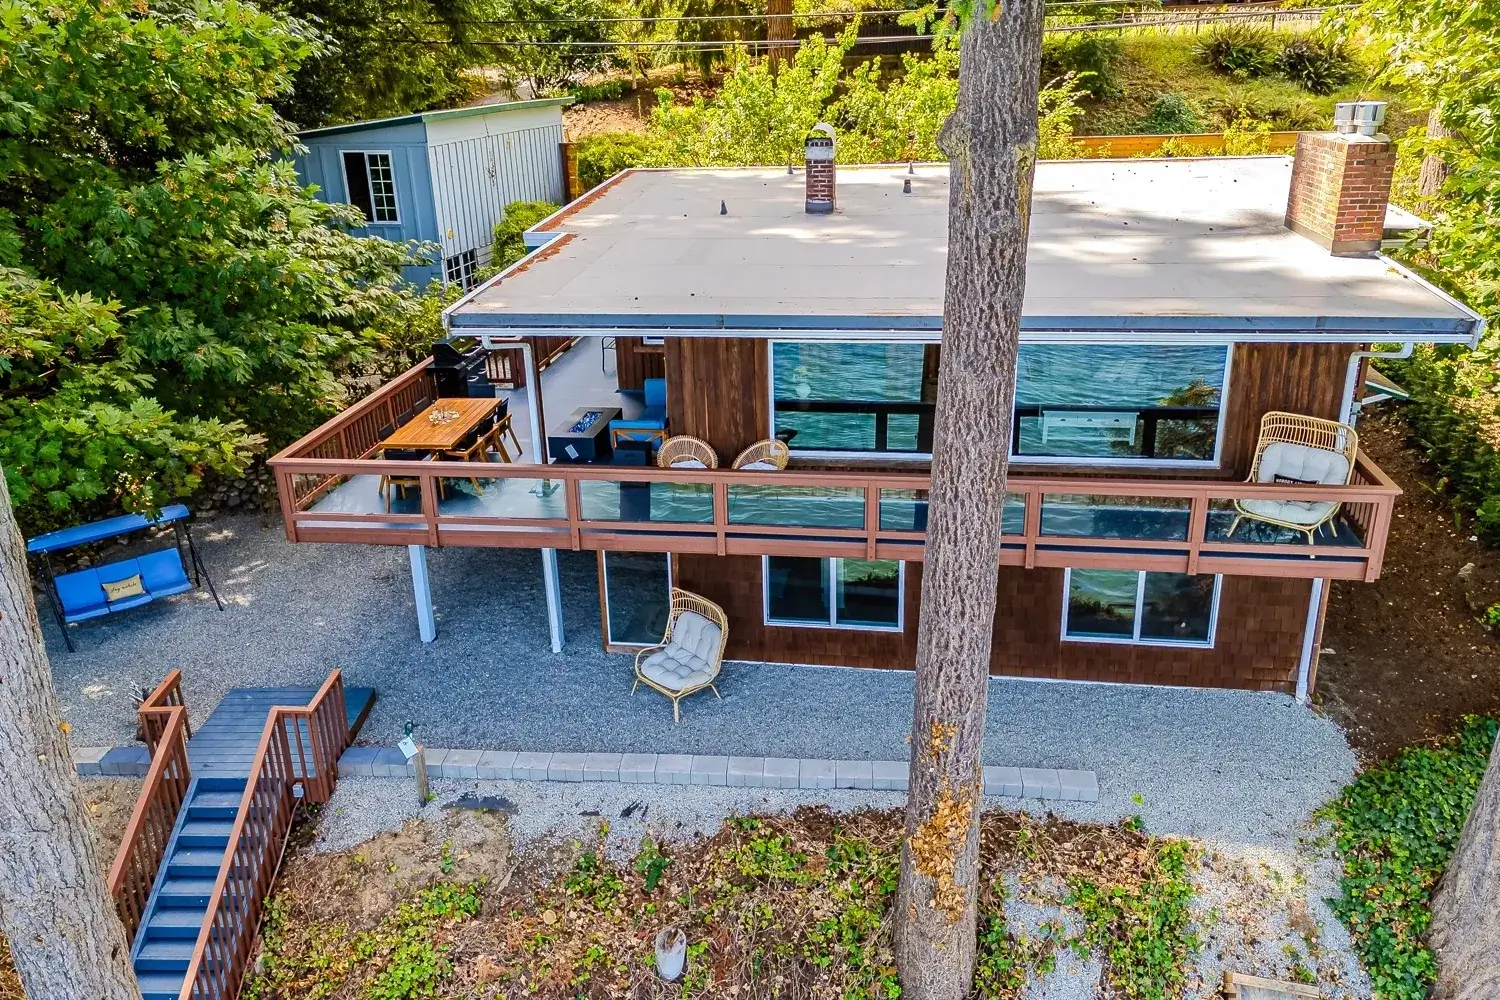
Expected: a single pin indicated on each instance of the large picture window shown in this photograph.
(1092, 404)
(371, 182)
(834, 593)
(1110, 605)
(1097, 402)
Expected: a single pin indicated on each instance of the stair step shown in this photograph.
(185, 892)
(216, 801)
(165, 955)
(161, 985)
(200, 862)
(176, 922)
(205, 832)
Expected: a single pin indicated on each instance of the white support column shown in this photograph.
(553, 587)
(422, 591)
(1309, 637)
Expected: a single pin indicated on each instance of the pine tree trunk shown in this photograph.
(1465, 928)
(991, 141)
(1434, 172)
(778, 31)
(65, 934)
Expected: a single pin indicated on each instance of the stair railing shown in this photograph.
(163, 719)
(285, 764)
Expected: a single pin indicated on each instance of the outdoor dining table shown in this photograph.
(422, 433)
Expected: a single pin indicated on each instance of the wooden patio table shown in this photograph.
(420, 433)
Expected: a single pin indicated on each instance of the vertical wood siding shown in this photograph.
(636, 362)
(475, 178)
(718, 389)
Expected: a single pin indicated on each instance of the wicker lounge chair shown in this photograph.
(767, 455)
(686, 452)
(689, 656)
(1306, 451)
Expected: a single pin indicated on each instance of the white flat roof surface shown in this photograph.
(1187, 245)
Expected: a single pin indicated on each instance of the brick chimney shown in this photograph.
(1341, 182)
(817, 148)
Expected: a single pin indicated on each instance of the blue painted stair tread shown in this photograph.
(178, 905)
(225, 745)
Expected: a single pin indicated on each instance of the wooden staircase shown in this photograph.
(211, 823)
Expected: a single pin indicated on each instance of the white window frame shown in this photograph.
(1140, 597)
(467, 269)
(1081, 461)
(609, 639)
(1136, 463)
(369, 183)
(831, 576)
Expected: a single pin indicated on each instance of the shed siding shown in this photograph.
(1257, 645)
(477, 176)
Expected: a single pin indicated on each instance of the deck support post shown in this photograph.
(422, 591)
(553, 587)
(1309, 640)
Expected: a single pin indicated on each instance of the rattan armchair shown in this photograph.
(685, 450)
(767, 454)
(689, 656)
(1306, 451)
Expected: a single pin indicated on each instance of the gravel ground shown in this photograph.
(1234, 764)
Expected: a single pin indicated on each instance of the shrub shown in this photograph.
(1396, 827)
(1091, 57)
(1240, 51)
(1319, 65)
(1171, 113)
(609, 90)
(519, 217)
(600, 157)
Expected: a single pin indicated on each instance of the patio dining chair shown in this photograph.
(494, 440)
(689, 656)
(767, 455)
(398, 483)
(471, 449)
(686, 452)
(1304, 451)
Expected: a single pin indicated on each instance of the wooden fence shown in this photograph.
(1186, 144)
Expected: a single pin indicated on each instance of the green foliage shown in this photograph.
(180, 292)
(600, 157)
(593, 879)
(1491, 616)
(1005, 962)
(652, 863)
(609, 90)
(1239, 51)
(556, 42)
(1171, 114)
(1143, 932)
(1396, 826)
(1315, 63)
(519, 217)
(1090, 57)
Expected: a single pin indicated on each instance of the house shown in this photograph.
(440, 176)
(1171, 304)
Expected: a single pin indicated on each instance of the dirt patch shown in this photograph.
(631, 111)
(1406, 657)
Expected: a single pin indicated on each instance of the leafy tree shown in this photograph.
(555, 42)
(168, 285)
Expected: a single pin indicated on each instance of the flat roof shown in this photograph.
(1176, 246)
(443, 114)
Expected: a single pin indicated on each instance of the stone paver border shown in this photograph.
(646, 768)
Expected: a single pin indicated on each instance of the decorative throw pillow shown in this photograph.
(688, 463)
(759, 467)
(120, 589)
(1295, 482)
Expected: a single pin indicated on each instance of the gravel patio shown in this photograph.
(1249, 766)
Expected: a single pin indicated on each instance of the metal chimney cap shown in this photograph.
(1362, 117)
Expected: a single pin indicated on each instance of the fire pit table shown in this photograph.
(583, 436)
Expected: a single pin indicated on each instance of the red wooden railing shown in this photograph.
(164, 720)
(282, 765)
(563, 523)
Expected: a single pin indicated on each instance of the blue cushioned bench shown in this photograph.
(651, 425)
(80, 595)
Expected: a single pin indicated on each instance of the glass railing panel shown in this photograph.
(1254, 522)
(663, 503)
(798, 506)
(906, 510)
(501, 498)
(1078, 515)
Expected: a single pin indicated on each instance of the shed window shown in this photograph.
(1164, 609)
(371, 183)
(462, 268)
(834, 593)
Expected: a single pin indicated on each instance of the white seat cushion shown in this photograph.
(691, 659)
(759, 467)
(1307, 512)
(1282, 462)
(696, 635)
(688, 463)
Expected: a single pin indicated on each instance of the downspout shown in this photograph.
(1309, 637)
(1348, 409)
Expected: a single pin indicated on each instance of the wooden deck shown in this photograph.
(224, 746)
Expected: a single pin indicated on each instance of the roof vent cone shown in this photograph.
(906, 185)
(818, 150)
(1359, 117)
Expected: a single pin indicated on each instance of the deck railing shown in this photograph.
(155, 709)
(156, 807)
(1175, 525)
(281, 765)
